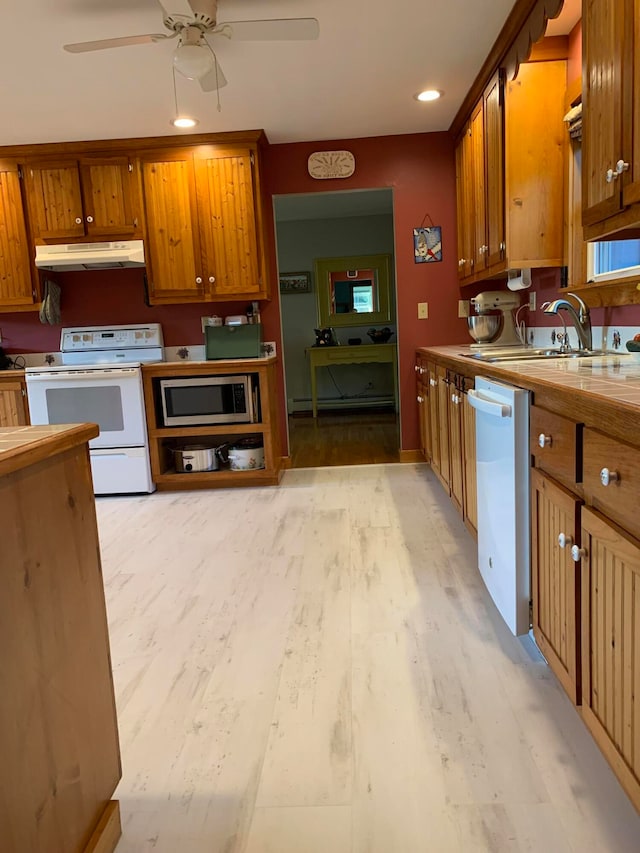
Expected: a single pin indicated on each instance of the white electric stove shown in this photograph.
(100, 381)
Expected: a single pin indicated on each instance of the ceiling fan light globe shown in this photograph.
(193, 61)
(184, 122)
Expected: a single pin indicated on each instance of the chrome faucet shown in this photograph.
(580, 319)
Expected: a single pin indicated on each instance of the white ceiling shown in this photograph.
(356, 80)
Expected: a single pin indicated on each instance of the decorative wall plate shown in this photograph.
(331, 164)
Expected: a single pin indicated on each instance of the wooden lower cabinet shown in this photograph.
(422, 398)
(456, 449)
(433, 416)
(469, 465)
(555, 579)
(442, 389)
(13, 402)
(611, 645)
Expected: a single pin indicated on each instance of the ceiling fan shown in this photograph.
(193, 23)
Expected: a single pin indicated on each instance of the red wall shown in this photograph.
(574, 63)
(420, 169)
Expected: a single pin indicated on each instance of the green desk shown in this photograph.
(362, 354)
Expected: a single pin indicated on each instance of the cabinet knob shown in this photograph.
(198, 279)
(564, 540)
(420, 399)
(621, 167)
(78, 220)
(578, 554)
(89, 219)
(607, 476)
(433, 383)
(212, 278)
(503, 247)
(461, 262)
(610, 175)
(545, 440)
(416, 368)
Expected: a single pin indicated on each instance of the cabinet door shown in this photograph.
(16, 283)
(455, 448)
(422, 395)
(108, 193)
(174, 263)
(433, 417)
(54, 200)
(555, 579)
(469, 457)
(631, 104)
(479, 189)
(494, 170)
(602, 34)
(464, 199)
(229, 223)
(443, 470)
(611, 646)
(13, 411)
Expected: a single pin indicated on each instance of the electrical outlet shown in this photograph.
(532, 301)
(463, 307)
(423, 310)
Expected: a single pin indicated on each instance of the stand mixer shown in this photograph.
(498, 300)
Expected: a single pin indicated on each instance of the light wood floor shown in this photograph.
(317, 668)
(344, 439)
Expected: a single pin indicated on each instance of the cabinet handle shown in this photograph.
(607, 476)
(461, 262)
(433, 383)
(198, 279)
(212, 278)
(482, 250)
(78, 220)
(578, 553)
(610, 175)
(621, 167)
(545, 440)
(89, 219)
(503, 246)
(564, 540)
(420, 399)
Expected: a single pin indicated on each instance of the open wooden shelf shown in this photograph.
(163, 439)
(606, 294)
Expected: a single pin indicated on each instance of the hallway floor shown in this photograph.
(332, 439)
(317, 668)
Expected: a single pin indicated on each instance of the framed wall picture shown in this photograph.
(295, 282)
(427, 244)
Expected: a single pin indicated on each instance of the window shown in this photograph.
(613, 259)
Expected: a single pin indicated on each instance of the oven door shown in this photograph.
(109, 397)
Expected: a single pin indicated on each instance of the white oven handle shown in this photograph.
(108, 373)
(488, 405)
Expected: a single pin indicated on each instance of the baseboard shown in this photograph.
(411, 456)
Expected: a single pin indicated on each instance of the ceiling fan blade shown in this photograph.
(102, 44)
(279, 29)
(212, 81)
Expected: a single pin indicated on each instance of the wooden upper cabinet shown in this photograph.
(17, 276)
(494, 165)
(603, 29)
(174, 259)
(517, 170)
(78, 199)
(229, 219)
(464, 200)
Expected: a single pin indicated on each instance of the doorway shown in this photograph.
(357, 420)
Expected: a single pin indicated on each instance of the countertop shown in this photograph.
(590, 389)
(12, 374)
(25, 445)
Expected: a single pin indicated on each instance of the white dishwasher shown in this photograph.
(502, 467)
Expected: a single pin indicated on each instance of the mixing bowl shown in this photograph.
(485, 328)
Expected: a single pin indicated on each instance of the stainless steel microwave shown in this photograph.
(203, 400)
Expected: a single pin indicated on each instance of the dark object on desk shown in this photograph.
(325, 338)
(5, 361)
(354, 341)
(380, 336)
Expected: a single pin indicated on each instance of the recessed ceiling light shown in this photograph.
(429, 95)
(184, 121)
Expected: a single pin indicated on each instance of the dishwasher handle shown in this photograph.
(488, 405)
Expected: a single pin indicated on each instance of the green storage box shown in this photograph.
(233, 341)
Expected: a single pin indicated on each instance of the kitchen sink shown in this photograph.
(526, 354)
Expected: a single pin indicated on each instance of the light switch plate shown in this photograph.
(463, 307)
(423, 310)
(532, 301)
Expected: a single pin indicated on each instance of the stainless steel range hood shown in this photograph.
(91, 256)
